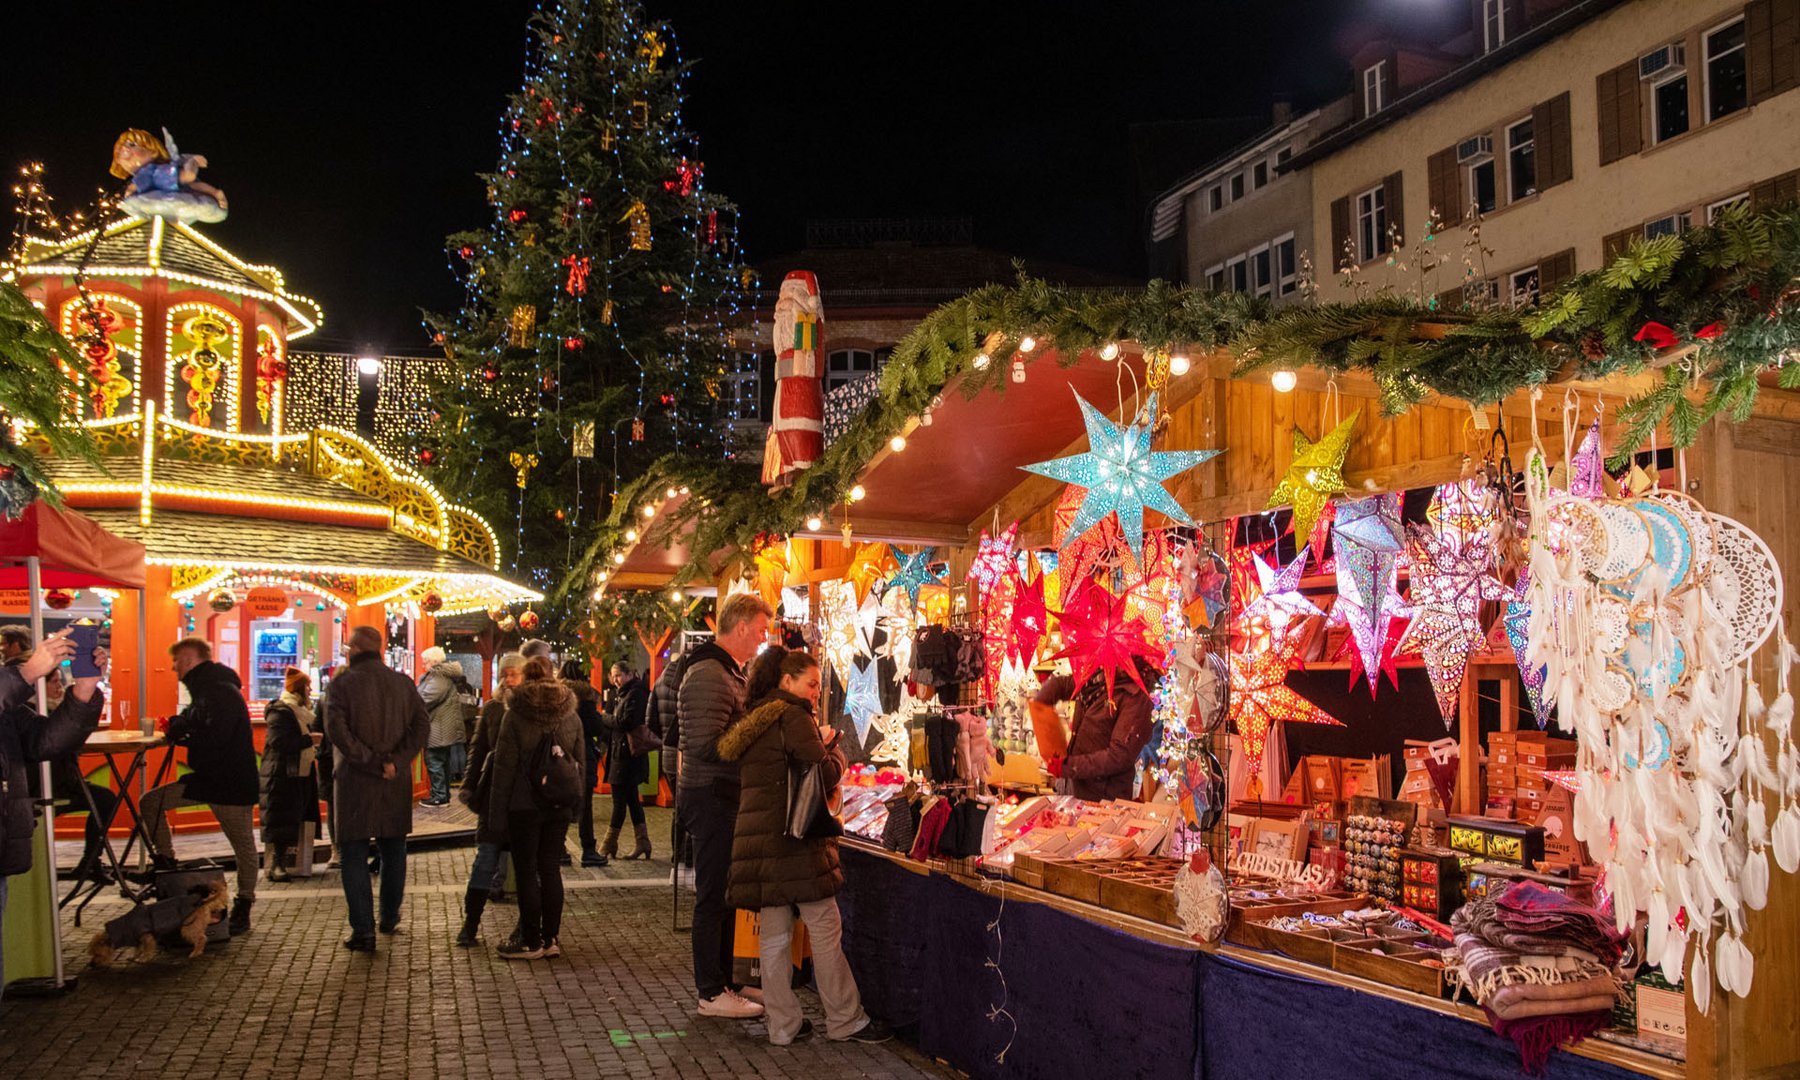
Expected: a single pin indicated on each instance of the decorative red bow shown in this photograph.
(578, 275)
(1656, 335)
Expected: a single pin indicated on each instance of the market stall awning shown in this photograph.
(76, 552)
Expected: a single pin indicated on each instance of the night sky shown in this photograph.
(348, 135)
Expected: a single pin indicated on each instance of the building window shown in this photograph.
(1260, 175)
(740, 392)
(1672, 225)
(1237, 275)
(1713, 210)
(1287, 275)
(845, 366)
(1217, 198)
(1521, 161)
(1262, 272)
(1493, 24)
(1215, 278)
(1669, 107)
(1283, 155)
(1371, 224)
(1373, 77)
(1484, 189)
(1237, 186)
(1522, 286)
(1726, 90)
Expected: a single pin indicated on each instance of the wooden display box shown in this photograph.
(1146, 894)
(1360, 956)
(1496, 841)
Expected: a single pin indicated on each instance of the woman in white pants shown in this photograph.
(777, 875)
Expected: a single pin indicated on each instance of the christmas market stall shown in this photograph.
(270, 543)
(1461, 635)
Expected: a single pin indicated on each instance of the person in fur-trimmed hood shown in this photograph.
(540, 719)
(776, 873)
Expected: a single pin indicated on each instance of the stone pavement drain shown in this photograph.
(288, 1000)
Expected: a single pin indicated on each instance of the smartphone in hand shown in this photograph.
(85, 633)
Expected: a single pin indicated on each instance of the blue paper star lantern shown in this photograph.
(914, 574)
(1122, 475)
(862, 697)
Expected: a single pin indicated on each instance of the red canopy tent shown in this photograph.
(46, 548)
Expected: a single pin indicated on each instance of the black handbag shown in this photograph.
(809, 816)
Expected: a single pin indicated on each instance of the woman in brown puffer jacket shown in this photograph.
(539, 714)
(777, 874)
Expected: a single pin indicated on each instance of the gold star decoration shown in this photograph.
(1316, 474)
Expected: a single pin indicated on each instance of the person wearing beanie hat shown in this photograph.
(452, 703)
(289, 790)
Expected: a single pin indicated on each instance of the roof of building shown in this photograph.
(153, 247)
(248, 479)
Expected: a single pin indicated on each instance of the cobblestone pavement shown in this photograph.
(288, 1000)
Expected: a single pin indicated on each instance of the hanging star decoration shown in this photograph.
(1122, 475)
(1351, 652)
(996, 621)
(1030, 619)
(868, 567)
(1368, 539)
(1099, 636)
(1452, 574)
(1274, 607)
(868, 623)
(1518, 618)
(897, 620)
(993, 558)
(771, 569)
(1314, 476)
(915, 572)
(1260, 696)
(862, 696)
(1156, 596)
(1101, 550)
(837, 613)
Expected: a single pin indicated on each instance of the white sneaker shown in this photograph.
(750, 993)
(729, 1006)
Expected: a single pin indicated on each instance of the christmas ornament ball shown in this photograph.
(497, 612)
(221, 600)
(58, 599)
(432, 602)
(506, 623)
(528, 620)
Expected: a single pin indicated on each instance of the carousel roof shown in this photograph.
(154, 247)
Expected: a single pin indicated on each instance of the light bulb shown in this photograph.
(981, 361)
(675, 595)
(1109, 351)
(619, 558)
(369, 365)
(649, 511)
(815, 523)
(597, 595)
(1179, 364)
(858, 493)
(684, 489)
(897, 443)
(631, 536)
(1284, 381)
(671, 493)
(1312, 476)
(1027, 343)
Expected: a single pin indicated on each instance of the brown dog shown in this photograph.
(193, 928)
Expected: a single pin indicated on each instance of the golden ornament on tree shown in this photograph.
(639, 217)
(1314, 476)
(524, 322)
(523, 463)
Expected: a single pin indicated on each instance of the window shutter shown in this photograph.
(1775, 191)
(1340, 230)
(1772, 47)
(1613, 245)
(1555, 269)
(1616, 104)
(1450, 299)
(1550, 129)
(1392, 195)
(1444, 181)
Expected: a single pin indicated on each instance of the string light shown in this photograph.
(631, 536)
(1027, 343)
(897, 443)
(1284, 381)
(618, 558)
(815, 523)
(649, 512)
(671, 493)
(1109, 351)
(1179, 364)
(858, 493)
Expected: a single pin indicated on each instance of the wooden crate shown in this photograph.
(1144, 895)
(1358, 957)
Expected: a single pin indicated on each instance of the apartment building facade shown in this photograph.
(1564, 129)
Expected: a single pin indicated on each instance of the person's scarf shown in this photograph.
(303, 714)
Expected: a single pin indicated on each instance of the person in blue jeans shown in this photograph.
(377, 724)
(487, 877)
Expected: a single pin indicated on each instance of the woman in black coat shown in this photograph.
(626, 772)
(540, 725)
(290, 790)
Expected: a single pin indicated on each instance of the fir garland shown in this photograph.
(1715, 308)
(35, 386)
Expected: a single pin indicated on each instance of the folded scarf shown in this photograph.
(1531, 909)
(1537, 1036)
(1485, 968)
(1537, 999)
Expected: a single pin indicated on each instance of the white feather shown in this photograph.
(1699, 981)
(1755, 880)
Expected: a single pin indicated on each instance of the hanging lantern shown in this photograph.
(221, 600)
(58, 599)
(432, 602)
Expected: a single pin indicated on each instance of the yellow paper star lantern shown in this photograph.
(1316, 474)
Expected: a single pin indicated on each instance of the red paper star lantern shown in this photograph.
(1099, 636)
(1030, 619)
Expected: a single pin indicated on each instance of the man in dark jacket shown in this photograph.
(66, 781)
(221, 759)
(377, 723)
(593, 736)
(711, 697)
(626, 771)
(28, 738)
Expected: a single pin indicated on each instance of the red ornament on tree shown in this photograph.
(432, 602)
(490, 373)
(516, 216)
(427, 456)
(528, 620)
(574, 344)
(466, 251)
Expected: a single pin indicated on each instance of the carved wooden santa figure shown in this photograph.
(797, 430)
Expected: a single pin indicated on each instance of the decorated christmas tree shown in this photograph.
(600, 297)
